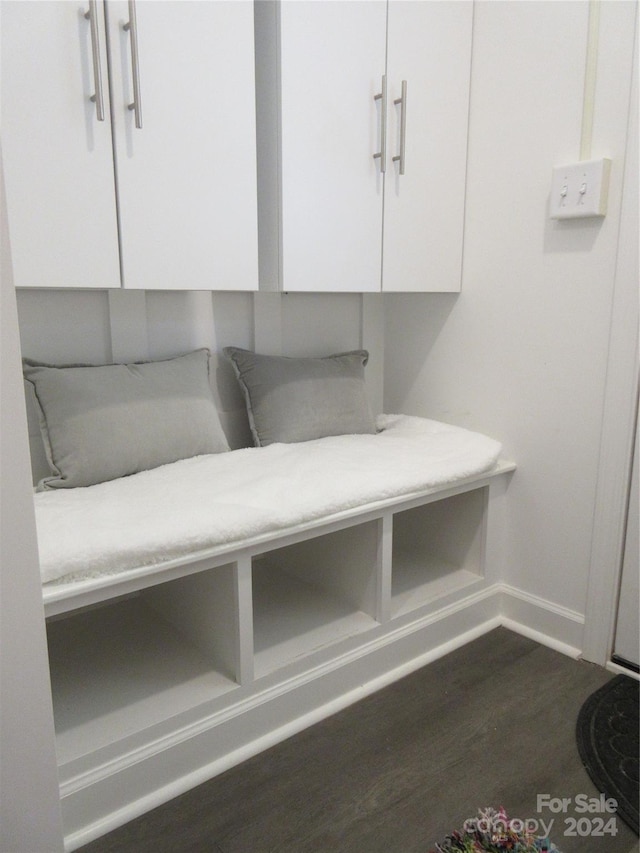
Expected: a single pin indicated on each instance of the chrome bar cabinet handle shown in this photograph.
(98, 99)
(382, 153)
(402, 100)
(132, 27)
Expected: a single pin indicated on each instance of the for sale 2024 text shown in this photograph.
(599, 814)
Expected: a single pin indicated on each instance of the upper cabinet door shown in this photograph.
(369, 182)
(187, 177)
(429, 47)
(57, 155)
(331, 67)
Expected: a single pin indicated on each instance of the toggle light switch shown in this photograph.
(580, 189)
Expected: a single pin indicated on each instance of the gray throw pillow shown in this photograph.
(100, 422)
(299, 399)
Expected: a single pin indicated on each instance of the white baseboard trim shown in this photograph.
(612, 666)
(541, 620)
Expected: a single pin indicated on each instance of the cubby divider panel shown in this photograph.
(438, 548)
(312, 594)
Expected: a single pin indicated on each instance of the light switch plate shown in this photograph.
(580, 189)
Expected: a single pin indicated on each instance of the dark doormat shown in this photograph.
(607, 735)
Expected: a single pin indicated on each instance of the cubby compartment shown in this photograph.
(315, 593)
(438, 549)
(124, 666)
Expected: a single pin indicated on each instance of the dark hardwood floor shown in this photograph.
(491, 724)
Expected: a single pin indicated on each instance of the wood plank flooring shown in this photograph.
(491, 724)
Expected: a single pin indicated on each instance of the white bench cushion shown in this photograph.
(196, 504)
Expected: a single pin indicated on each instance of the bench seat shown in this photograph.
(95, 537)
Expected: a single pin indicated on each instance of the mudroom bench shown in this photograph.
(201, 610)
(168, 673)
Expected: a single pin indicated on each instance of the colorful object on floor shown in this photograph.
(494, 832)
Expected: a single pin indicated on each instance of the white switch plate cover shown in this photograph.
(580, 189)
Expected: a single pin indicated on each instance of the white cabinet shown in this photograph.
(58, 159)
(187, 178)
(183, 183)
(330, 79)
(331, 63)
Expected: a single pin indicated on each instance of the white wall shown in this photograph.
(30, 818)
(522, 353)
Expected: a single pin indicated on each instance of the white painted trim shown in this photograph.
(267, 323)
(543, 603)
(128, 325)
(541, 620)
(539, 637)
(611, 666)
(619, 414)
(372, 339)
